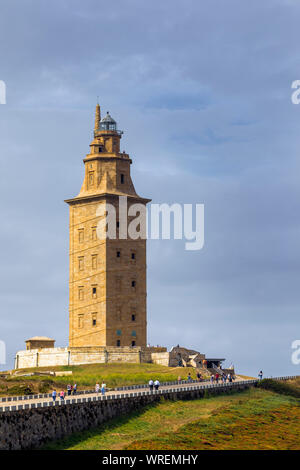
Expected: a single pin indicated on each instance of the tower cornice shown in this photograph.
(107, 157)
(95, 197)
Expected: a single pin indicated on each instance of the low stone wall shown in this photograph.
(161, 358)
(31, 428)
(41, 357)
(50, 357)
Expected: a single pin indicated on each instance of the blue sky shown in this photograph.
(202, 91)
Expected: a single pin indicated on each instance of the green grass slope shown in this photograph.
(253, 419)
(86, 376)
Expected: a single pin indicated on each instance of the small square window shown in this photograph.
(133, 283)
(118, 254)
(132, 317)
(132, 255)
(132, 343)
(119, 332)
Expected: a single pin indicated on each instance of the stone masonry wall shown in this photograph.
(31, 428)
(86, 355)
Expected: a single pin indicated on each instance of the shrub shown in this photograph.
(282, 388)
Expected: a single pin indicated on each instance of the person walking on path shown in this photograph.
(69, 389)
(151, 383)
(260, 375)
(54, 395)
(212, 379)
(103, 388)
(199, 376)
(97, 388)
(189, 377)
(217, 378)
(179, 379)
(74, 389)
(230, 378)
(156, 384)
(62, 395)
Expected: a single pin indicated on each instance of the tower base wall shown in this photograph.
(51, 357)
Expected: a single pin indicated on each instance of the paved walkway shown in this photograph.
(110, 392)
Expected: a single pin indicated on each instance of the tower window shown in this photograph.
(132, 317)
(80, 293)
(118, 342)
(94, 291)
(119, 314)
(94, 319)
(94, 261)
(133, 283)
(122, 178)
(94, 233)
(133, 333)
(118, 254)
(132, 255)
(80, 263)
(80, 321)
(132, 343)
(118, 224)
(119, 332)
(81, 235)
(91, 178)
(94, 322)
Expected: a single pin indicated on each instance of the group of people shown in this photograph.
(214, 378)
(189, 378)
(222, 377)
(101, 389)
(153, 385)
(71, 390)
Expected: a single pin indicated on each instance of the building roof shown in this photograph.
(214, 359)
(108, 118)
(40, 338)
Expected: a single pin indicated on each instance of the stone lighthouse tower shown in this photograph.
(107, 282)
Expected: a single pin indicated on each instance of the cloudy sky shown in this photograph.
(202, 91)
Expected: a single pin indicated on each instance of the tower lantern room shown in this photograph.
(107, 123)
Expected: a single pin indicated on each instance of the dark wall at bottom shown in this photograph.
(30, 429)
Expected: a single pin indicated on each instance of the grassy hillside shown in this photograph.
(86, 377)
(253, 419)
